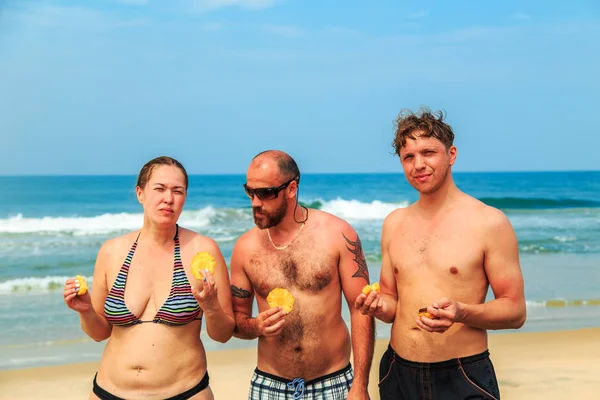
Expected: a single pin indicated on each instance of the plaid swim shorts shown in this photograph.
(334, 386)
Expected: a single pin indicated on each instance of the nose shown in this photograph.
(256, 201)
(168, 197)
(419, 162)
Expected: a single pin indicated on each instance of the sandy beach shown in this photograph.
(546, 365)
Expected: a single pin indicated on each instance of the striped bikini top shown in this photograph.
(180, 307)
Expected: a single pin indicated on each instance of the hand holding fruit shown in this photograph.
(369, 302)
(270, 322)
(75, 294)
(203, 268)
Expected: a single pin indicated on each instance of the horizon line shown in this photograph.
(303, 174)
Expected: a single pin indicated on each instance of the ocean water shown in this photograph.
(52, 227)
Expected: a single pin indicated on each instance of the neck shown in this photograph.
(158, 234)
(285, 246)
(434, 202)
(288, 224)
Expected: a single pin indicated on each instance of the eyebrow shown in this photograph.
(420, 150)
(163, 185)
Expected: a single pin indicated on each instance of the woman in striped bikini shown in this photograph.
(146, 300)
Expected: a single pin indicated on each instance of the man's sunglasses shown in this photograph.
(266, 193)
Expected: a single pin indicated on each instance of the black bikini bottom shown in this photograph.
(203, 384)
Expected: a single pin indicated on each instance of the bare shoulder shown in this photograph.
(247, 240)
(243, 249)
(496, 223)
(116, 248)
(490, 218)
(395, 218)
(199, 242)
(330, 222)
(121, 242)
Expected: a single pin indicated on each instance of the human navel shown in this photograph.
(396, 270)
(453, 270)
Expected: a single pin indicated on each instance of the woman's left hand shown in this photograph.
(207, 298)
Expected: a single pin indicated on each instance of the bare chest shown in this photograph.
(301, 269)
(450, 251)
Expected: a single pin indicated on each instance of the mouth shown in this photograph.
(166, 211)
(422, 178)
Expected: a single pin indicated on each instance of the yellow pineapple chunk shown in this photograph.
(202, 261)
(424, 313)
(83, 287)
(280, 297)
(368, 288)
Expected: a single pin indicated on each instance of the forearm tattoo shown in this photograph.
(239, 292)
(359, 257)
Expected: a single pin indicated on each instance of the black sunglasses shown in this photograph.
(266, 193)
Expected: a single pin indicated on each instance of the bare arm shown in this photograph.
(502, 267)
(389, 291)
(218, 314)
(242, 296)
(354, 276)
(503, 271)
(92, 321)
(383, 305)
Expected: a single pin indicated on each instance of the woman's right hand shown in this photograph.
(81, 303)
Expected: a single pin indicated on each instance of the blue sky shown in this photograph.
(100, 87)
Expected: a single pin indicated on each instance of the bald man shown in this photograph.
(303, 353)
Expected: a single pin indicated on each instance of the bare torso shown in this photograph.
(315, 340)
(150, 359)
(432, 259)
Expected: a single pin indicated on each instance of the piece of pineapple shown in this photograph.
(280, 297)
(202, 261)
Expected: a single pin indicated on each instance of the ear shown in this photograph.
(139, 194)
(293, 189)
(452, 151)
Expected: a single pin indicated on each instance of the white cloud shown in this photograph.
(211, 5)
(133, 2)
(464, 35)
(48, 16)
(284, 30)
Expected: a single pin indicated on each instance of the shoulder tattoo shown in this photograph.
(359, 257)
(239, 292)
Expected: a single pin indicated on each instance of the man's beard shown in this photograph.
(270, 219)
